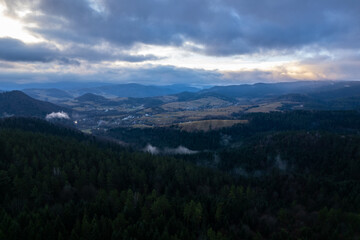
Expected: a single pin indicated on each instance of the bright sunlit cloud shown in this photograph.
(13, 28)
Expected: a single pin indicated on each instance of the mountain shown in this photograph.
(49, 94)
(264, 90)
(182, 88)
(135, 90)
(90, 97)
(19, 104)
(338, 90)
(67, 92)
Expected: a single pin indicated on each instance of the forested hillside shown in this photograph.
(339, 122)
(56, 187)
(59, 184)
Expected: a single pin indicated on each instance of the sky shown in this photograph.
(196, 42)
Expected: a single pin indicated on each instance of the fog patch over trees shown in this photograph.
(169, 151)
(59, 115)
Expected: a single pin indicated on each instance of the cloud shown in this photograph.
(6, 65)
(343, 65)
(103, 39)
(60, 115)
(169, 151)
(148, 75)
(179, 150)
(137, 58)
(162, 75)
(227, 27)
(104, 52)
(318, 68)
(151, 149)
(14, 50)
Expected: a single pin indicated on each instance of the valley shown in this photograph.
(100, 110)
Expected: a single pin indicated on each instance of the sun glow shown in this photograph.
(13, 28)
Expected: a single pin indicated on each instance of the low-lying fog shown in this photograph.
(169, 151)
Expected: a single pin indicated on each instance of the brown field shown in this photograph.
(209, 102)
(141, 126)
(206, 125)
(169, 118)
(265, 108)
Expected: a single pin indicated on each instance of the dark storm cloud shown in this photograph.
(167, 75)
(14, 50)
(224, 27)
(138, 58)
(87, 52)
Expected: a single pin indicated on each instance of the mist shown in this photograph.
(59, 115)
(169, 151)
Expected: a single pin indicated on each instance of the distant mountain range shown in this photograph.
(245, 91)
(17, 103)
(50, 94)
(110, 91)
(261, 90)
(310, 94)
(135, 90)
(317, 89)
(90, 97)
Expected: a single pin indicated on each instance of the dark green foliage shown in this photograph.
(56, 183)
(40, 126)
(340, 122)
(167, 137)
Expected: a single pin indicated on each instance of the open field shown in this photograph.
(168, 118)
(265, 108)
(209, 102)
(160, 111)
(207, 125)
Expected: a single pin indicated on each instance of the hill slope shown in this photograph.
(50, 94)
(90, 97)
(135, 90)
(57, 187)
(19, 104)
(259, 90)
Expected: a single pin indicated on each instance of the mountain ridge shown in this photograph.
(19, 104)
